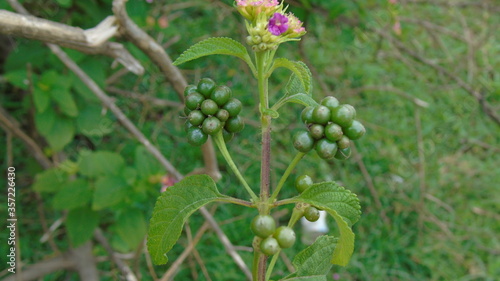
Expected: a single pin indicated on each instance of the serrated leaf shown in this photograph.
(50, 180)
(93, 164)
(41, 99)
(299, 98)
(44, 121)
(343, 206)
(173, 208)
(74, 194)
(61, 133)
(215, 46)
(92, 123)
(81, 224)
(300, 70)
(314, 260)
(131, 227)
(109, 191)
(65, 101)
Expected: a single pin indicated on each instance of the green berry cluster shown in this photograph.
(303, 183)
(273, 239)
(209, 109)
(330, 128)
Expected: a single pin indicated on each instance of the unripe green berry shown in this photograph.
(326, 149)
(233, 106)
(343, 154)
(355, 131)
(222, 115)
(221, 95)
(190, 89)
(303, 141)
(211, 125)
(343, 115)
(196, 117)
(206, 86)
(330, 102)
(263, 226)
(311, 214)
(227, 135)
(187, 126)
(352, 109)
(269, 246)
(234, 124)
(209, 107)
(186, 111)
(333, 132)
(285, 236)
(307, 115)
(196, 136)
(194, 100)
(321, 114)
(303, 182)
(344, 142)
(317, 131)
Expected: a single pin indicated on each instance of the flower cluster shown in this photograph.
(268, 24)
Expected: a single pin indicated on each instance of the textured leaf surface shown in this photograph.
(315, 259)
(173, 208)
(131, 226)
(301, 73)
(81, 224)
(109, 191)
(50, 180)
(343, 206)
(74, 194)
(214, 46)
(61, 133)
(300, 98)
(93, 164)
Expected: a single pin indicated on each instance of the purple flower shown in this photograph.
(278, 24)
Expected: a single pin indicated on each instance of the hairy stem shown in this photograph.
(287, 173)
(271, 265)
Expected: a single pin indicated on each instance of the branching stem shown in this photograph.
(287, 173)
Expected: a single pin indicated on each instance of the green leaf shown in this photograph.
(65, 101)
(94, 164)
(81, 224)
(314, 260)
(41, 99)
(173, 208)
(65, 3)
(301, 72)
(91, 123)
(109, 191)
(215, 46)
(299, 98)
(343, 206)
(74, 194)
(44, 121)
(50, 180)
(131, 227)
(17, 78)
(61, 133)
(145, 163)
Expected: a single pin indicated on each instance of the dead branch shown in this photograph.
(127, 273)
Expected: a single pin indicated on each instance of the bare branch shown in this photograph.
(127, 273)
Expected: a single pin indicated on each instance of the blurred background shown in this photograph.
(424, 77)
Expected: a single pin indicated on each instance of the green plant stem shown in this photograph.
(219, 141)
(235, 201)
(287, 173)
(271, 265)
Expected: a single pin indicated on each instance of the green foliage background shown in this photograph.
(441, 206)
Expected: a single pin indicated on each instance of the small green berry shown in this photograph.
(269, 246)
(196, 117)
(209, 107)
(227, 135)
(222, 115)
(190, 89)
(307, 115)
(194, 100)
(343, 115)
(344, 142)
(233, 106)
(355, 131)
(311, 214)
(326, 149)
(317, 131)
(321, 114)
(333, 132)
(330, 102)
(285, 236)
(206, 86)
(263, 226)
(303, 141)
(196, 136)
(221, 95)
(303, 182)
(343, 154)
(211, 125)
(234, 124)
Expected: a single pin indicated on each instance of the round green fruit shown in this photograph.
(321, 114)
(303, 182)
(343, 154)
(206, 87)
(285, 236)
(194, 100)
(221, 95)
(233, 106)
(343, 115)
(227, 136)
(352, 109)
(333, 132)
(187, 126)
(330, 102)
(303, 141)
(326, 149)
(269, 246)
(190, 89)
(209, 107)
(211, 125)
(196, 136)
(187, 111)
(222, 115)
(263, 226)
(234, 124)
(307, 115)
(344, 142)
(196, 117)
(355, 131)
(311, 214)
(317, 131)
